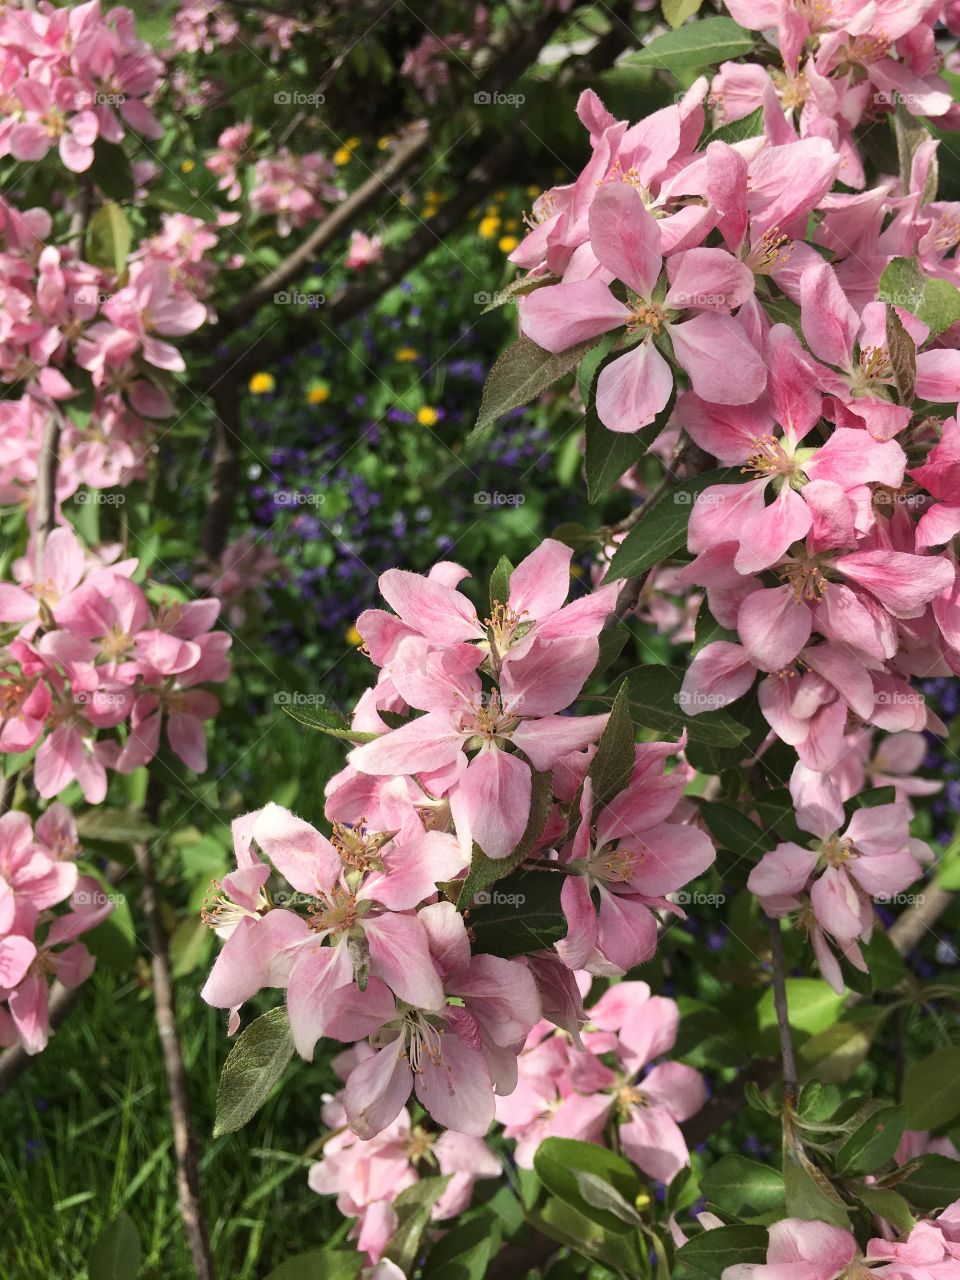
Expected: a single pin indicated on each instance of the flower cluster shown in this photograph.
(825, 556)
(842, 67)
(822, 1252)
(90, 655)
(485, 762)
(37, 873)
(72, 76)
(295, 189)
(70, 330)
(585, 1085)
(578, 1087)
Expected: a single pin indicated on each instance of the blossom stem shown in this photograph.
(783, 1017)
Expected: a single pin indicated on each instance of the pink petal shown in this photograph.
(632, 389)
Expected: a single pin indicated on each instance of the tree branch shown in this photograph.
(188, 1185)
(783, 1015)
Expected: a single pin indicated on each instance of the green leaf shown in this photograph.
(413, 1207)
(320, 1264)
(834, 1054)
(114, 940)
(608, 454)
(612, 641)
(561, 1164)
(889, 1205)
(930, 1093)
(115, 1254)
(873, 1143)
(809, 1192)
(655, 703)
(520, 374)
(903, 357)
(707, 1037)
(677, 12)
(733, 830)
(812, 1003)
(749, 126)
(111, 171)
(662, 529)
(465, 1252)
(612, 766)
(254, 1065)
(485, 871)
(327, 721)
(742, 1187)
(713, 1251)
(115, 826)
(190, 945)
(932, 1183)
(818, 1101)
(935, 302)
(887, 966)
(521, 915)
(702, 44)
(516, 289)
(109, 238)
(500, 582)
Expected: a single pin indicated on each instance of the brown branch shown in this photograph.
(787, 1058)
(908, 929)
(45, 500)
(341, 217)
(15, 1060)
(225, 468)
(188, 1184)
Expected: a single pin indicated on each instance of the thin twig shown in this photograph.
(188, 1183)
(783, 1015)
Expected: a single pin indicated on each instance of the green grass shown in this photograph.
(88, 1135)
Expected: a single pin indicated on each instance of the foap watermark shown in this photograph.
(486, 499)
(495, 898)
(712, 300)
(894, 98)
(298, 498)
(899, 698)
(286, 98)
(702, 701)
(294, 698)
(482, 299)
(86, 99)
(483, 98)
(101, 700)
(685, 899)
(900, 899)
(97, 898)
(293, 298)
(88, 296)
(97, 498)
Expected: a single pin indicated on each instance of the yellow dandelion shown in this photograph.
(507, 244)
(489, 227)
(429, 210)
(318, 393)
(262, 383)
(352, 143)
(427, 416)
(353, 637)
(188, 166)
(406, 355)
(342, 156)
